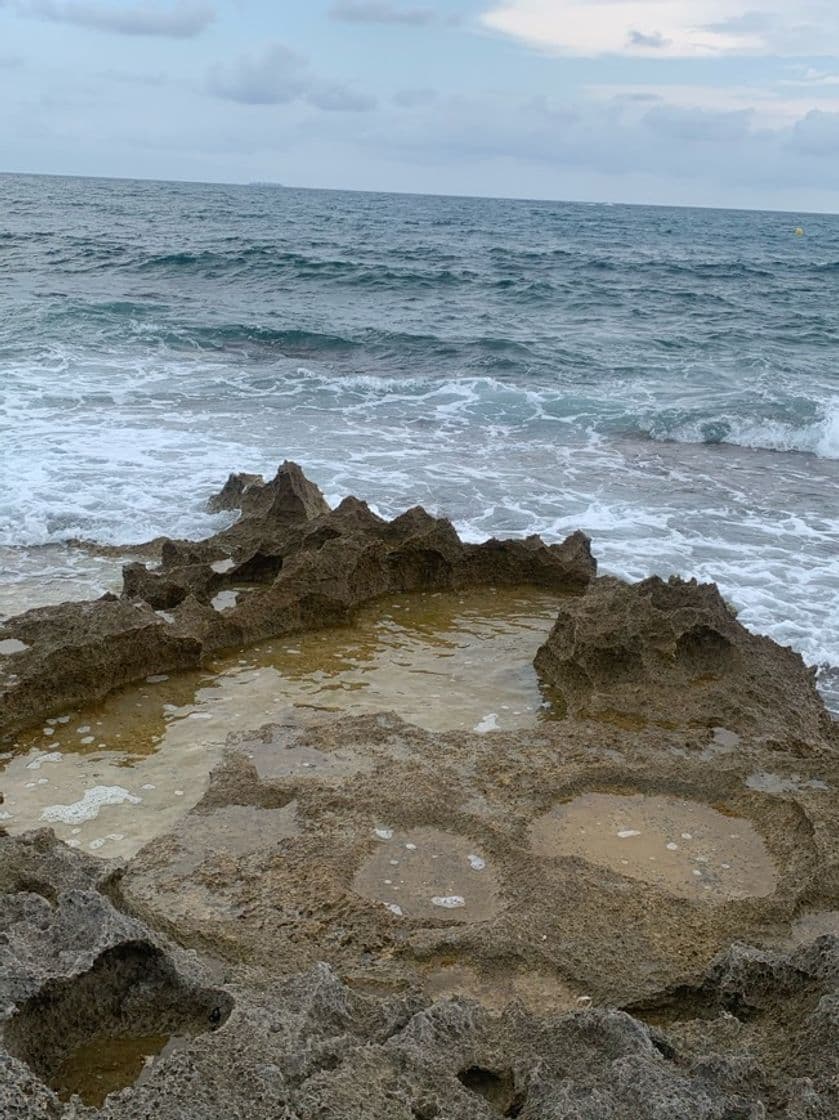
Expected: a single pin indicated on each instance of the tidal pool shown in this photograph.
(426, 873)
(111, 776)
(685, 848)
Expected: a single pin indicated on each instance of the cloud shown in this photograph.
(816, 134)
(414, 98)
(340, 99)
(702, 125)
(674, 28)
(10, 61)
(714, 154)
(380, 11)
(275, 78)
(655, 39)
(743, 24)
(279, 76)
(180, 20)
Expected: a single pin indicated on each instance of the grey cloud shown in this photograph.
(693, 125)
(276, 78)
(654, 39)
(279, 77)
(607, 138)
(816, 134)
(340, 99)
(414, 98)
(180, 20)
(380, 11)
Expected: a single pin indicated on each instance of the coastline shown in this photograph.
(387, 916)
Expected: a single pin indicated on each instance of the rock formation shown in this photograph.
(673, 653)
(627, 912)
(293, 564)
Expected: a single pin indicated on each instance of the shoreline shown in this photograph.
(587, 907)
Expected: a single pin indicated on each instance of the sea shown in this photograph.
(665, 379)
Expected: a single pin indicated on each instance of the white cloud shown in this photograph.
(668, 28)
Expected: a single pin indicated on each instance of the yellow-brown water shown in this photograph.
(105, 1065)
(113, 775)
(682, 847)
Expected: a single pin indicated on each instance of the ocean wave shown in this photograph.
(820, 437)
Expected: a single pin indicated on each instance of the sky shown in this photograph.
(687, 102)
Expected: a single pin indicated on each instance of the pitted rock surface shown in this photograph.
(751, 1036)
(673, 653)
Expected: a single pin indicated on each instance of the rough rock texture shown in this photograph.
(593, 919)
(231, 494)
(673, 653)
(293, 564)
(80, 650)
(276, 880)
(752, 1037)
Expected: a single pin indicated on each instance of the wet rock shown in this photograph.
(231, 494)
(83, 651)
(672, 653)
(288, 498)
(753, 1032)
(305, 567)
(415, 853)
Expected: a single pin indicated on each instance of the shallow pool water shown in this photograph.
(113, 775)
(685, 848)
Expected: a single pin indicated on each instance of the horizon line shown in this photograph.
(275, 185)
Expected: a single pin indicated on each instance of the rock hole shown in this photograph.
(684, 1004)
(703, 650)
(103, 1030)
(498, 1088)
(36, 886)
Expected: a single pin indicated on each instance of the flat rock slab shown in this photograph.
(610, 862)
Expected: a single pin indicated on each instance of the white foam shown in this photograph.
(37, 763)
(498, 458)
(88, 808)
(488, 723)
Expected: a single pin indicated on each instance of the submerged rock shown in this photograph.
(673, 653)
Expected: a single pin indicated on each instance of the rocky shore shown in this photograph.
(628, 912)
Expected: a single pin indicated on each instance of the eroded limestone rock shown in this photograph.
(748, 1036)
(404, 853)
(304, 566)
(671, 652)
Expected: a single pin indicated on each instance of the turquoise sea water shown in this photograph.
(666, 379)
